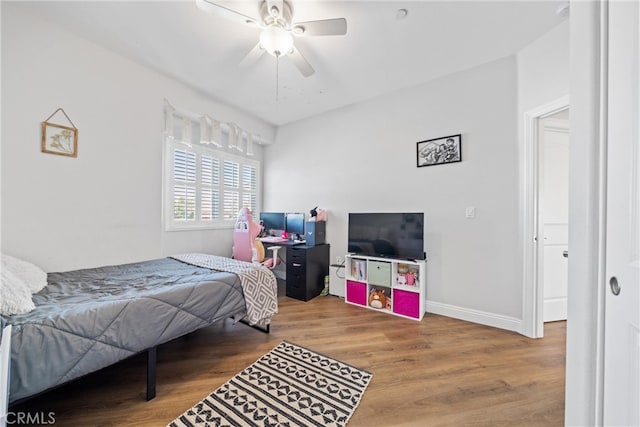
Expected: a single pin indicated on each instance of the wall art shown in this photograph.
(59, 139)
(438, 151)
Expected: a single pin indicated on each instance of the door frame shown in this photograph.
(532, 295)
(587, 213)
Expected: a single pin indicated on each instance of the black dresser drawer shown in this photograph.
(296, 254)
(306, 268)
(296, 267)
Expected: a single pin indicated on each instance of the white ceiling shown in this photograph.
(379, 54)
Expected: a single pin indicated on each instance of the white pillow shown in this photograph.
(15, 297)
(33, 277)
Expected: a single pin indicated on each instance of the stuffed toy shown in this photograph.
(317, 215)
(377, 299)
(411, 278)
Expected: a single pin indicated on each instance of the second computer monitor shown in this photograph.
(295, 223)
(273, 221)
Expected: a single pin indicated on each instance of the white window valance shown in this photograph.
(202, 129)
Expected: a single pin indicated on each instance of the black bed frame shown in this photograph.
(152, 359)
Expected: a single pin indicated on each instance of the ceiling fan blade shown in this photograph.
(224, 12)
(253, 55)
(324, 27)
(301, 63)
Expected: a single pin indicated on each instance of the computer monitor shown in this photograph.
(295, 223)
(272, 221)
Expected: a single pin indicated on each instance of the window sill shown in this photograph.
(198, 227)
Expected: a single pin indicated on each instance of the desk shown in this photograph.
(285, 243)
(305, 270)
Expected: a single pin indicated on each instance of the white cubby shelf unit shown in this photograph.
(403, 283)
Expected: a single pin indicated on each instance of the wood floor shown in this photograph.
(438, 372)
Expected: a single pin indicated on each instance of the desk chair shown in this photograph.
(246, 246)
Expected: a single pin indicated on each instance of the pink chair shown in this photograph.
(246, 245)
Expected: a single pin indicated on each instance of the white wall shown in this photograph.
(363, 158)
(103, 207)
(543, 70)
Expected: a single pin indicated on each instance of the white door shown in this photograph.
(622, 280)
(554, 216)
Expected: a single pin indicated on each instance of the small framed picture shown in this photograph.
(439, 151)
(59, 139)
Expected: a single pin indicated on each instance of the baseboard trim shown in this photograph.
(476, 316)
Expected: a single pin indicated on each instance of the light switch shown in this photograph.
(471, 212)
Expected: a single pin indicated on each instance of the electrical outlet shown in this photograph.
(338, 260)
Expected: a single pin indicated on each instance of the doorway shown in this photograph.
(553, 214)
(545, 215)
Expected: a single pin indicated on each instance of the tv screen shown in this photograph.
(389, 235)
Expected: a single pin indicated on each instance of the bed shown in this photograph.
(85, 320)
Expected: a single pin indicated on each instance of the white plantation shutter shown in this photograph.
(231, 204)
(184, 165)
(210, 179)
(184, 203)
(205, 186)
(250, 187)
(231, 174)
(231, 184)
(184, 187)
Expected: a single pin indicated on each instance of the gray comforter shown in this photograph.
(89, 319)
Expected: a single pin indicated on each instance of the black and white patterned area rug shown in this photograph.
(289, 386)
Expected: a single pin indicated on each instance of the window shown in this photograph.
(205, 186)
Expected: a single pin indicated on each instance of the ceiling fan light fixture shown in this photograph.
(278, 29)
(276, 40)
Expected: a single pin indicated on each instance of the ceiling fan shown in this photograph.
(278, 30)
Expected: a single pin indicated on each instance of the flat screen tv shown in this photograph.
(387, 235)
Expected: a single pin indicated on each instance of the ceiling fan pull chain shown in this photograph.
(277, 75)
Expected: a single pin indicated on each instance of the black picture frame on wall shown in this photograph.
(439, 151)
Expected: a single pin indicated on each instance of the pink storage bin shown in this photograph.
(406, 303)
(356, 292)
